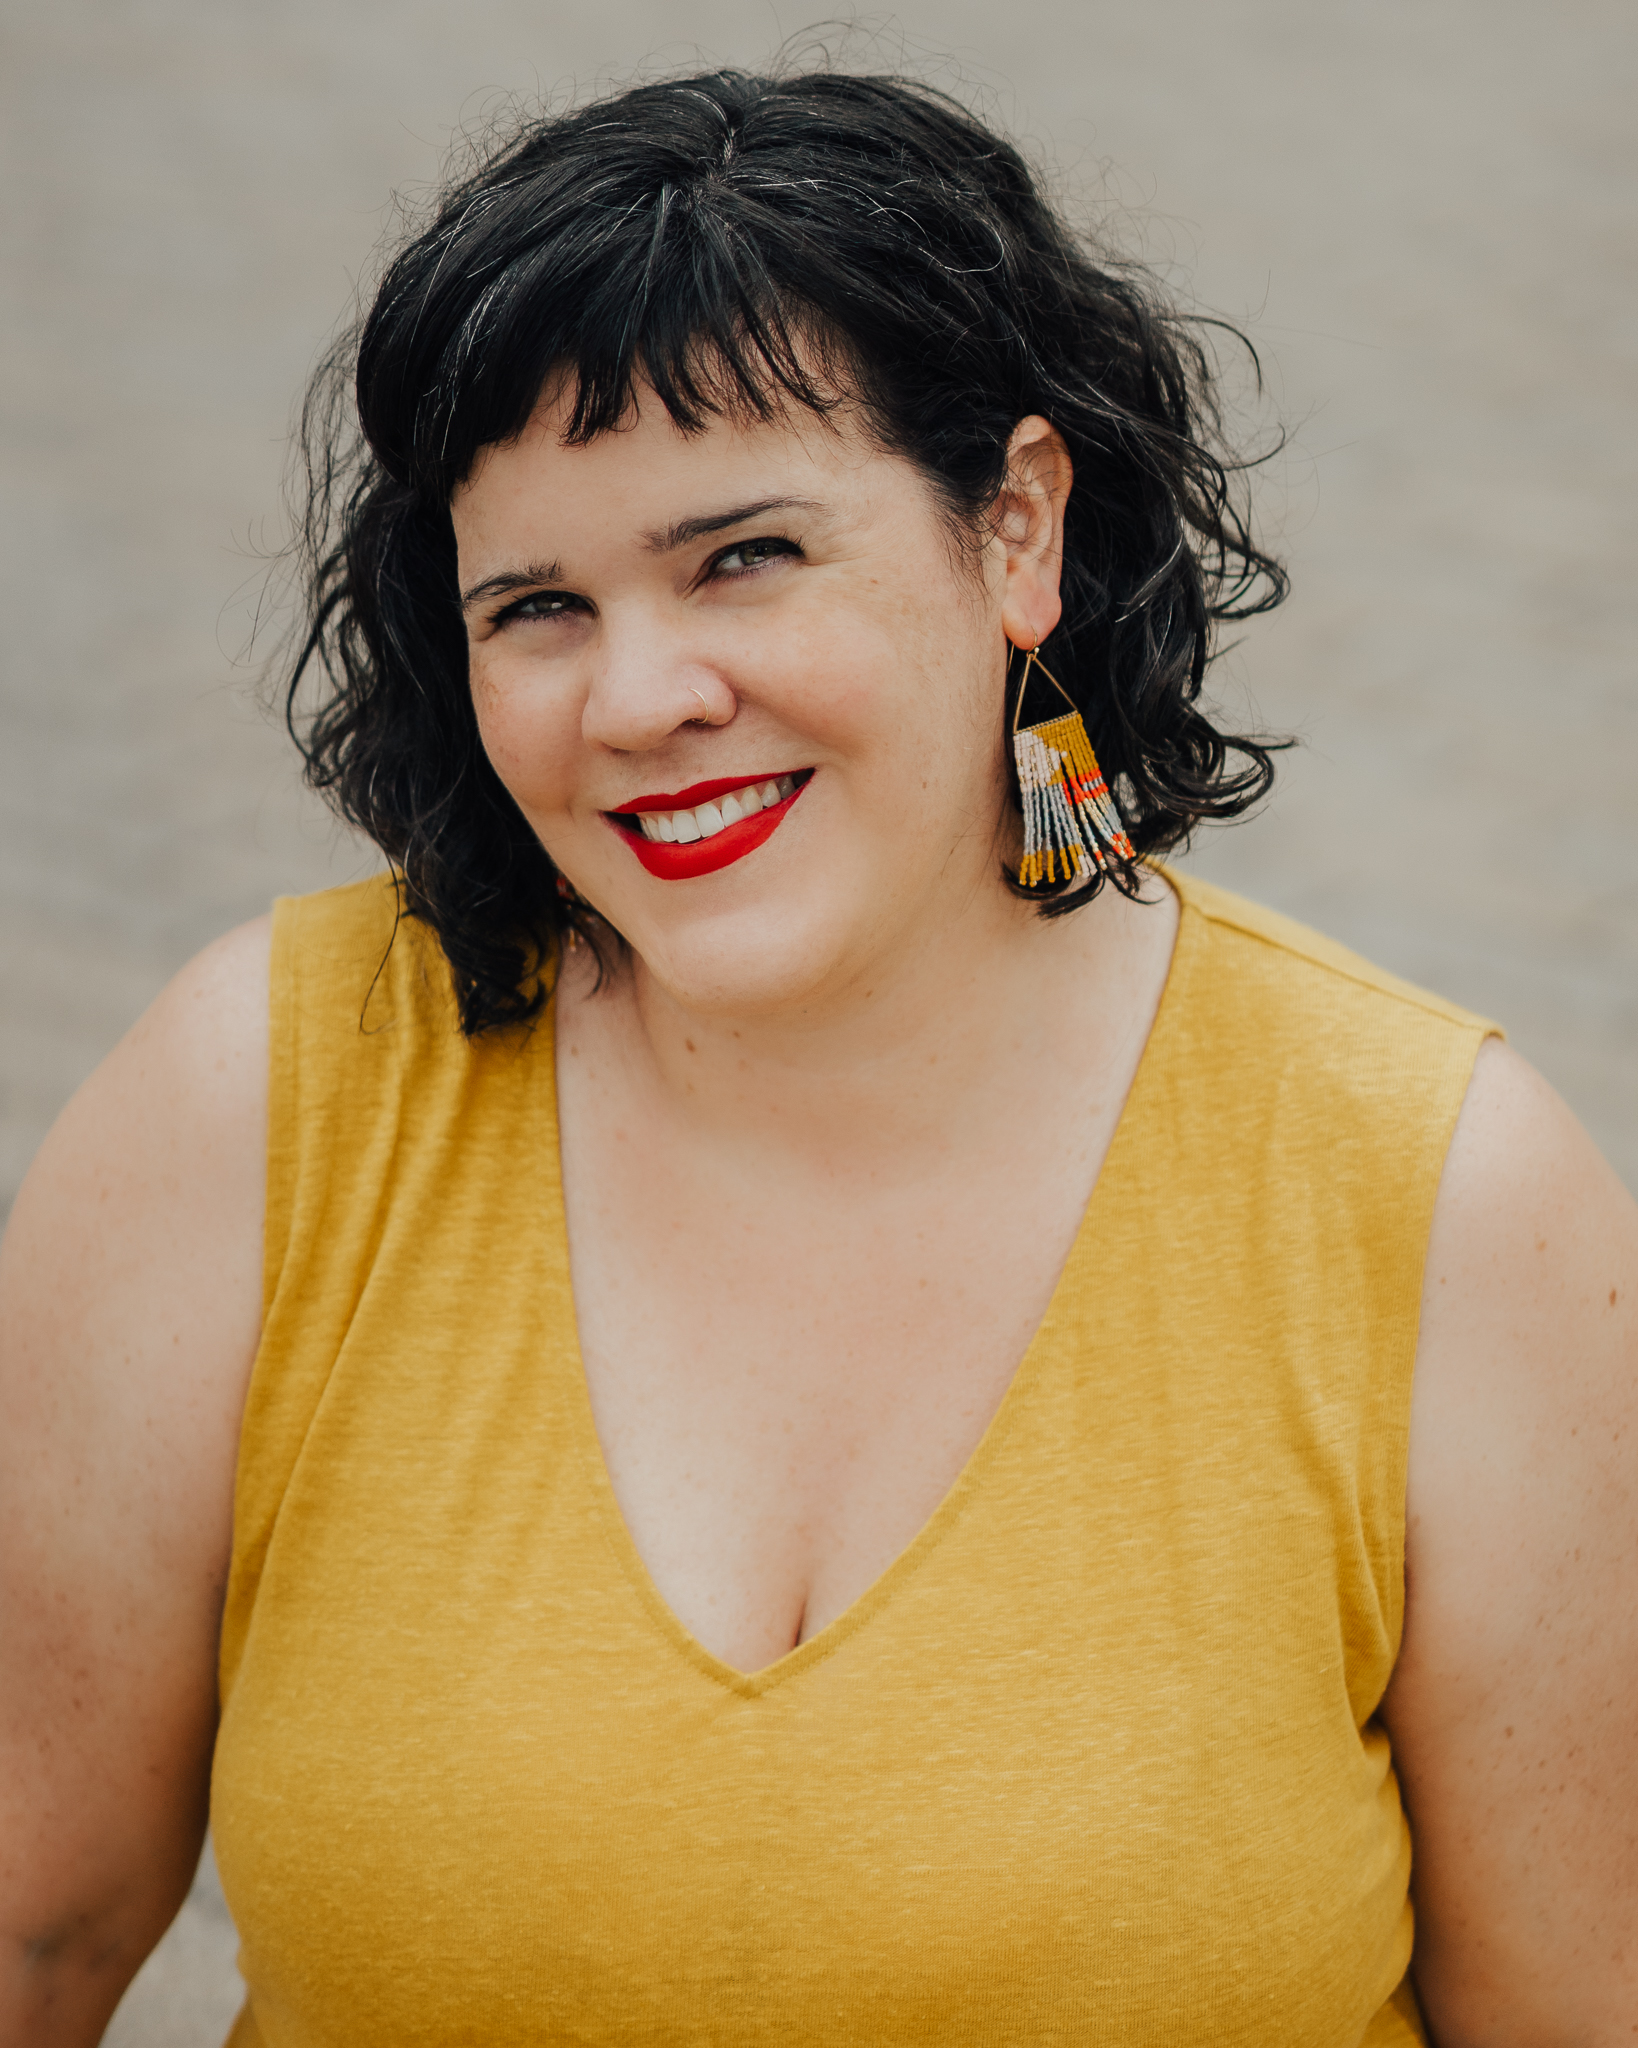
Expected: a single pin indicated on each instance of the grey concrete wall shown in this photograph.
(1423, 214)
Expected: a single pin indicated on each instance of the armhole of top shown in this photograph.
(283, 1121)
(1399, 1399)
(250, 1518)
(1440, 1044)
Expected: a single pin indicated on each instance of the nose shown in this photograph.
(646, 684)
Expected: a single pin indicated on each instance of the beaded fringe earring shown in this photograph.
(1071, 825)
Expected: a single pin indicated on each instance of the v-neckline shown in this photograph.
(588, 1445)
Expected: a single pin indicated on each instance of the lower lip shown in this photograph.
(704, 856)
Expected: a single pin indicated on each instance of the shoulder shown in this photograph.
(1527, 1369)
(350, 965)
(142, 1212)
(130, 1272)
(352, 921)
(130, 1298)
(1514, 1709)
(1530, 1296)
(342, 942)
(186, 1084)
(130, 1268)
(1312, 970)
(1360, 1073)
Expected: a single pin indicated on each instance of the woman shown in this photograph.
(774, 1416)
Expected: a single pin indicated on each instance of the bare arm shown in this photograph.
(1514, 1709)
(130, 1303)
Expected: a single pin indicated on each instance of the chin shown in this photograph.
(777, 955)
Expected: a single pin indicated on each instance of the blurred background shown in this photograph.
(1422, 214)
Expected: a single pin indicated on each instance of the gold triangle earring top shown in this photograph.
(1071, 825)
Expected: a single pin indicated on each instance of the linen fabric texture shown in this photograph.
(1094, 1762)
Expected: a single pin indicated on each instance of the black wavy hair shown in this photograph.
(743, 243)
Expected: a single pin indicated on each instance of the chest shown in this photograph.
(791, 1360)
(1081, 1765)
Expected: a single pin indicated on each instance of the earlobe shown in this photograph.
(1032, 604)
(1029, 619)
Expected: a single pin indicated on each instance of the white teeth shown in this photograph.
(705, 821)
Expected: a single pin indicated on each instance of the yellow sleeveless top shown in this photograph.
(1093, 1762)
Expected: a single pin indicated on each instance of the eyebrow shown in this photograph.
(533, 577)
(661, 540)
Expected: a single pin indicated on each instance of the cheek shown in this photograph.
(865, 676)
(530, 738)
(925, 698)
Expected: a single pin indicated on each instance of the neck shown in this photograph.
(933, 1038)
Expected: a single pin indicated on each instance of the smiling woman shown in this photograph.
(813, 628)
(713, 1413)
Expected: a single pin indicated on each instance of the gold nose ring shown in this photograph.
(705, 709)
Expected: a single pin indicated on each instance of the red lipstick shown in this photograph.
(671, 863)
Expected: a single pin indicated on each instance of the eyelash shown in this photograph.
(564, 601)
(561, 601)
(777, 542)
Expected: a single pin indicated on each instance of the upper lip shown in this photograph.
(697, 793)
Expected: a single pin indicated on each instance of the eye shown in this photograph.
(747, 555)
(541, 604)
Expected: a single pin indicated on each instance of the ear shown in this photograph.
(1029, 528)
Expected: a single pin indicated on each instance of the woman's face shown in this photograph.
(763, 640)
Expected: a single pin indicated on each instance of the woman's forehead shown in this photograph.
(662, 481)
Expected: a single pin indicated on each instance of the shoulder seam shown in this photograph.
(1405, 992)
(1382, 982)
